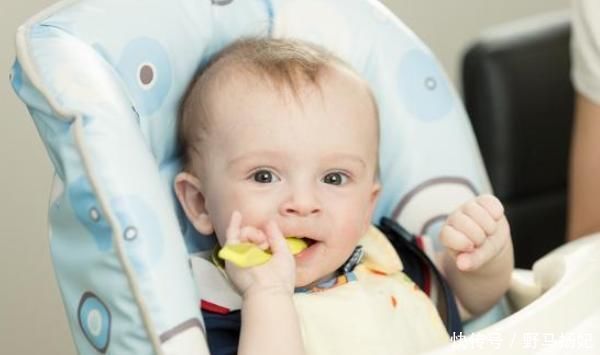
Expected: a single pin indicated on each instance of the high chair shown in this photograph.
(102, 81)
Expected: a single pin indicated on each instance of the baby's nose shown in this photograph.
(301, 204)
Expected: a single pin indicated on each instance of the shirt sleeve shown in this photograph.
(585, 48)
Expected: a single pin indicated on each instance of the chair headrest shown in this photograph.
(103, 80)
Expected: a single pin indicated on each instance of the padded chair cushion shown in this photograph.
(102, 80)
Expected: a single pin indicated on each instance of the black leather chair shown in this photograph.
(519, 97)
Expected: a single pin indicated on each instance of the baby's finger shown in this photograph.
(246, 234)
(467, 226)
(475, 259)
(480, 215)
(455, 240)
(255, 236)
(464, 261)
(492, 205)
(233, 230)
(276, 239)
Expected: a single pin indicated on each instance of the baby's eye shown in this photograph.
(265, 176)
(335, 178)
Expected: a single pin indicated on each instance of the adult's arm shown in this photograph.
(584, 171)
(584, 174)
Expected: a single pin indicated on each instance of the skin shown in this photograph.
(272, 168)
(277, 165)
(584, 190)
(288, 142)
(478, 259)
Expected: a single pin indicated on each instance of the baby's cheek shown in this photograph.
(255, 212)
(352, 224)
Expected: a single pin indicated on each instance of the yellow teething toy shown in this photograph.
(248, 254)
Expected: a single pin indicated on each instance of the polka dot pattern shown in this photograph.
(94, 321)
(423, 87)
(141, 232)
(146, 69)
(88, 213)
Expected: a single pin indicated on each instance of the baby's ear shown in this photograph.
(375, 190)
(189, 193)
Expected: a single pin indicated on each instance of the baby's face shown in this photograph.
(308, 165)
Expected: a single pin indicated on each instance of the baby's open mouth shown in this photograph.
(309, 241)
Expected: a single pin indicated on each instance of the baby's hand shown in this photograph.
(278, 274)
(476, 232)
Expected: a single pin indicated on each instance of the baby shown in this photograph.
(280, 138)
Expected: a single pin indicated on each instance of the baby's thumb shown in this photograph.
(276, 239)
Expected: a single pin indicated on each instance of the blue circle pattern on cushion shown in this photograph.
(141, 232)
(88, 212)
(140, 229)
(95, 321)
(145, 67)
(423, 86)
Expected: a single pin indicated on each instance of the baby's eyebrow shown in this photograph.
(268, 155)
(260, 154)
(336, 157)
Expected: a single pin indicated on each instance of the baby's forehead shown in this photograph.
(336, 89)
(265, 70)
(247, 109)
(243, 79)
(340, 99)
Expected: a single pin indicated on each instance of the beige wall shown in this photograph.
(32, 319)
